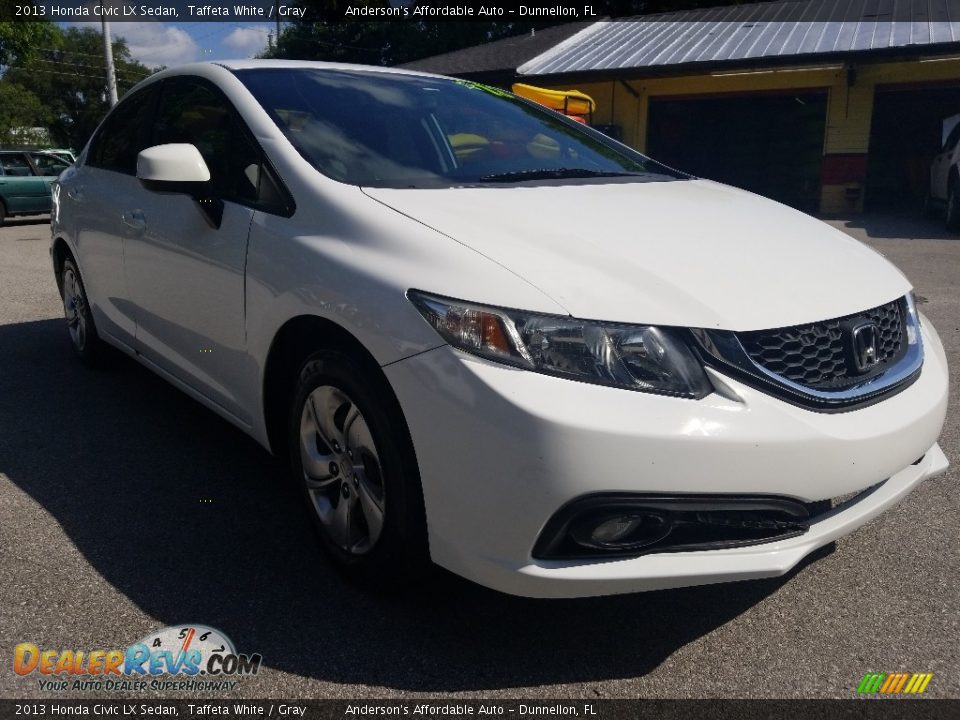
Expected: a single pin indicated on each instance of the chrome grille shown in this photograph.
(819, 355)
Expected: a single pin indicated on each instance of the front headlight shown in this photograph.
(635, 357)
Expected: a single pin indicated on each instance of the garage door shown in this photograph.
(770, 144)
(904, 137)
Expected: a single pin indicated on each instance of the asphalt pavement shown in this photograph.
(125, 507)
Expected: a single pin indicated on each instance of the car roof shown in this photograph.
(257, 64)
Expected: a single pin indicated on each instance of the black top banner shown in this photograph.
(314, 10)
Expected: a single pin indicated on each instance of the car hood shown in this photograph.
(687, 253)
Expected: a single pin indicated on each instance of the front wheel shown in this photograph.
(352, 457)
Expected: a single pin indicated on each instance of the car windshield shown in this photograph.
(395, 130)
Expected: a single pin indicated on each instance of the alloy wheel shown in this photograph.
(75, 309)
(342, 470)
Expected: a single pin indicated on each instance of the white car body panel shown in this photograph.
(684, 253)
(98, 244)
(945, 161)
(541, 427)
(660, 254)
(186, 284)
(658, 572)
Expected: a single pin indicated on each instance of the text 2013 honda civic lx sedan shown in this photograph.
(489, 337)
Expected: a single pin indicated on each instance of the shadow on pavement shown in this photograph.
(122, 449)
(899, 223)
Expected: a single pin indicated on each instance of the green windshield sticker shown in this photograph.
(485, 88)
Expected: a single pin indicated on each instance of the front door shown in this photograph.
(185, 274)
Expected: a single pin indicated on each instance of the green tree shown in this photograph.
(70, 80)
(20, 111)
(19, 40)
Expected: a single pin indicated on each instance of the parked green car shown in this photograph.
(25, 181)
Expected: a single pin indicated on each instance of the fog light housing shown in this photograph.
(609, 526)
(622, 531)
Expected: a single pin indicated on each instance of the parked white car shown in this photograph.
(492, 338)
(944, 173)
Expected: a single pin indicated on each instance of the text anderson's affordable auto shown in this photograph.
(177, 657)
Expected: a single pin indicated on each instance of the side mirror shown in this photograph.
(180, 168)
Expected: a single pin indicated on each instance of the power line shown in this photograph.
(72, 52)
(129, 71)
(64, 73)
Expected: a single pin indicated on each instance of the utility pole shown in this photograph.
(108, 56)
(277, 10)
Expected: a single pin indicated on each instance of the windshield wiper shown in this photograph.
(551, 174)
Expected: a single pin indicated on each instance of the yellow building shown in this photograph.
(824, 104)
(827, 105)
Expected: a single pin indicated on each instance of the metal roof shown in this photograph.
(745, 32)
(498, 56)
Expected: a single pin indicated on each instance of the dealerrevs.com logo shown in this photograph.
(178, 657)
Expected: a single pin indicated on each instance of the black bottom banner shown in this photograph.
(527, 709)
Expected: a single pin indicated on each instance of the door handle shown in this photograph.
(135, 220)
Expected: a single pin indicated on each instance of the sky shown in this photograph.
(174, 43)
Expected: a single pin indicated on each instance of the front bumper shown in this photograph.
(500, 450)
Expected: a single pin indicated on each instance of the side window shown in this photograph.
(124, 133)
(48, 165)
(15, 165)
(191, 111)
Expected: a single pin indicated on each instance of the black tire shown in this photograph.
(3, 213)
(953, 209)
(82, 330)
(399, 554)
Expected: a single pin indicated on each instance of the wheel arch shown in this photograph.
(60, 251)
(292, 344)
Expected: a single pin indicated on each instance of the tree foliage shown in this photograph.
(69, 80)
(19, 40)
(20, 112)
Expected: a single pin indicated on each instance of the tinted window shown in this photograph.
(16, 165)
(124, 133)
(193, 112)
(397, 130)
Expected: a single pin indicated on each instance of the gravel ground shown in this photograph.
(125, 506)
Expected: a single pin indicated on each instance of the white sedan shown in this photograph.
(491, 338)
(944, 174)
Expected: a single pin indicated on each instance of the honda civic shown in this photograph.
(489, 338)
